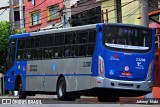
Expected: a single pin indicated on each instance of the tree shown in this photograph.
(5, 32)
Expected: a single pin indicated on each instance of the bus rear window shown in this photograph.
(127, 38)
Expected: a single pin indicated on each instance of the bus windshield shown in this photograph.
(129, 38)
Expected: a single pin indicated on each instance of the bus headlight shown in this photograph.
(149, 74)
(101, 66)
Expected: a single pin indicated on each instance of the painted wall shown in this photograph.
(4, 14)
(110, 6)
(130, 12)
(42, 6)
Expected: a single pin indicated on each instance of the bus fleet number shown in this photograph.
(86, 64)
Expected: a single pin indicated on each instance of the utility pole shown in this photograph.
(119, 11)
(21, 15)
(145, 22)
(144, 13)
(67, 12)
(11, 17)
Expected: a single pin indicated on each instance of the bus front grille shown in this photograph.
(125, 85)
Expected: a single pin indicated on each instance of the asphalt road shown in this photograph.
(51, 101)
(82, 105)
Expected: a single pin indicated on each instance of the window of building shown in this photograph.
(16, 16)
(90, 16)
(53, 12)
(35, 18)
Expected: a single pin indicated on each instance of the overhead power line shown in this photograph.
(70, 11)
(2, 12)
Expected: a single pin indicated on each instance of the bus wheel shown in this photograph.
(61, 89)
(108, 99)
(21, 93)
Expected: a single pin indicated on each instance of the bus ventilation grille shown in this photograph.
(125, 85)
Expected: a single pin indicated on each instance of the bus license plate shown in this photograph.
(126, 73)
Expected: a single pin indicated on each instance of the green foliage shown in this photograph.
(5, 32)
(18, 31)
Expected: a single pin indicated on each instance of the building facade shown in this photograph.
(4, 11)
(43, 14)
(67, 12)
(15, 13)
(121, 11)
(86, 12)
(126, 11)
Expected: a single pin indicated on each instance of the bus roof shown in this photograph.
(19, 35)
(91, 26)
(125, 24)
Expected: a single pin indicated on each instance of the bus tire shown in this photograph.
(21, 93)
(61, 89)
(108, 99)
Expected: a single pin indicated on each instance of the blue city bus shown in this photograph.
(107, 60)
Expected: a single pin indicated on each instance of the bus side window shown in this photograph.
(30, 42)
(69, 51)
(91, 42)
(58, 51)
(29, 54)
(39, 41)
(21, 49)
(47, 53)
(59, 39)
(58, 45)
(82, 37)
(12, 48)
(38, 53)
(20, 54)
(47, 50)
(69, 44)
(81, 43)
(49, 40)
